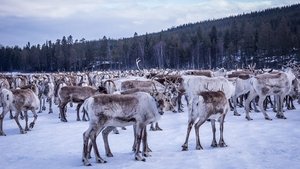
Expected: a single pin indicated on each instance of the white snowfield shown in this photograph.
(257, 144)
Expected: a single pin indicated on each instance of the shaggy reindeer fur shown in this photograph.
(137, 109)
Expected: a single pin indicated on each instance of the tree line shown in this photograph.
(269, 38)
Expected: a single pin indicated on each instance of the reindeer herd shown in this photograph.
(112, 99)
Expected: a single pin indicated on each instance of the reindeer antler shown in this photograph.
(137, 61)
(155, 89)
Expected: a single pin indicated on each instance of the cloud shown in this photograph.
(40, 20)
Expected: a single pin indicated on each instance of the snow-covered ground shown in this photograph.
(251, 144)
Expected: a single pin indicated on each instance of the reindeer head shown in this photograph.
(102, 89)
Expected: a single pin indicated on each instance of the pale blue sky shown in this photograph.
(36, 21)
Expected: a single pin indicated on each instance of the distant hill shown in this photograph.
(269, 38)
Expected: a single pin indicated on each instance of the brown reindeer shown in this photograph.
(75, 94)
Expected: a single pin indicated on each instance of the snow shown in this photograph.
(251, 144)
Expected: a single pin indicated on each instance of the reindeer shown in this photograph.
(196, 84)
(46, 91)
(19, 100)
(138, 109)
(206, 105)
(157, 90)
(75, 94)
(263, 85)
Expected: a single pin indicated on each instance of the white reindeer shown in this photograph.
(211, 105)
(196, 84)
(264, 85)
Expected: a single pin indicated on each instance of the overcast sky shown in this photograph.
(36, 21)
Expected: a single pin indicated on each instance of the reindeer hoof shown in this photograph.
(222, 144)
(86, 163)
(23, 132)
(148, 149)
(100, 160)
(2, 134)
(237, 114)
(123, 128)
(248, 118)
(146, 154)
(78, 119)
(43, 108)
(63, 120)
(199, 147)
(280, 116)
(158, 129)
(31, 125)
(268, 118)
(214, 144)
(184, 148)
(138, 158)
(109, 155)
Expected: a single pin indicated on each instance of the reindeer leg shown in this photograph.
(26, 120)
(261, 106)
(44, 107)
(139, 134)
(21, 115)
(235, 113)
(230, 105)
(40, 111)
(152, 127)
(157, 127)
(213, 127)
(179, 103)
(275, 104)
(221, 141)
(22, 131)
(85, 151)
(292, 104)
(197, 126)
(105, 133)
(185, 144)
(78, 107)
(11, 115)
(34, 118)
(50, 106)
(280, 114)
(251, 96)
(2, 115)
(62, 107)
(145, 144)
(93, 137)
